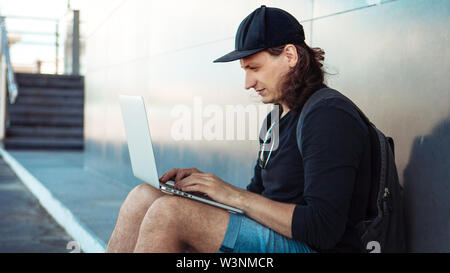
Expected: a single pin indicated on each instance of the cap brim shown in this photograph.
(236, 55)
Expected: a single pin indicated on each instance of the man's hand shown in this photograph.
(276, 215)
(214, 187)
(177, 174)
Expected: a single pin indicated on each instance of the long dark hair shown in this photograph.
(305, 78)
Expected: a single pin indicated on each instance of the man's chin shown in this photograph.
(266, 100)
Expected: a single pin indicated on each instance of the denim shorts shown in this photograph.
(245, 235)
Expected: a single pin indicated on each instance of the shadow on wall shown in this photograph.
(427, 195)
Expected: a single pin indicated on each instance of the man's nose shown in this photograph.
(250, 81)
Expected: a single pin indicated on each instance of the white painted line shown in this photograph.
(88, 241)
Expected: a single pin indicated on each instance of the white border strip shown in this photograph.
(88, 241)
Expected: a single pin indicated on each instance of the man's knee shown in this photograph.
(173, 210)
(142, 190)
(195, 224)
(167, 206)
(181, 212)
(164, 213)
(139, 198)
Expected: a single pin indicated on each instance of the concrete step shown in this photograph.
(47, 114)
(47, 80)
(40, 143)
(21, 109)
(48, 91)
(47, 101)
(46, 120)
(48, 131)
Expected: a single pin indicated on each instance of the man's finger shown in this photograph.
(168, 175)
(180, 182)
(194, 179)
(181, 174)
(188, 180)
(185, 172)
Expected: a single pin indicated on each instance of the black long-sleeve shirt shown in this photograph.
(330, 183)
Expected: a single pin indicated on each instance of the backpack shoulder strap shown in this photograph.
(320, 94)
(313, 99)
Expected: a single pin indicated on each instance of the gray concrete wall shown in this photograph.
(390, 57)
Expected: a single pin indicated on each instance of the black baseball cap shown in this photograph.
(264, 28)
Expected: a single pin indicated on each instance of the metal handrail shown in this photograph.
(12, 86)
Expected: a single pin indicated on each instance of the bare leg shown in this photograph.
(131, 214)
(177, 224)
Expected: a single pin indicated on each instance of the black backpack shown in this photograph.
(383, 227)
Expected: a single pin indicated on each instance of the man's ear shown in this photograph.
(291, 54)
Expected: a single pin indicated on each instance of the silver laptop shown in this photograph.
(141, 150)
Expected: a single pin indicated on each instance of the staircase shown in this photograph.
(47, 114)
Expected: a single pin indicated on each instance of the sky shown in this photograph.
(27, 51)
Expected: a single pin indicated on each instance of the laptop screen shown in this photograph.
(139, 140)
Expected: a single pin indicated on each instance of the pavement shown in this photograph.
(25, 226)
(81, 200)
